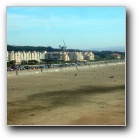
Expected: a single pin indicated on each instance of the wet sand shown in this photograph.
(90, 96)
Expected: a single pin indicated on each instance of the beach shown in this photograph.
(88, 95)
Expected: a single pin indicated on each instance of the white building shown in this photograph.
(25, 56)
(77, 56)
(88, 56)
(42, 55)
(11, 56)
(65, 56)
(8, 56)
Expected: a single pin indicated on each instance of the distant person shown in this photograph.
(16, 71)
(41, 69)
(77, 68)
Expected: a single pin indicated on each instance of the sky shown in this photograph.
(79, 27)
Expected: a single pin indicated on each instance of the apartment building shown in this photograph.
(25, 56)
(58, 56)
(34, 55)
(10, 56)
(65, 56)
(54, 55)
(80, 56)
(77, 56)
(88, 56)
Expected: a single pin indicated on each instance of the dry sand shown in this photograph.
(91, 96)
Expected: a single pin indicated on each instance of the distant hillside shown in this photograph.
(30, 48)
(99, 55)
(117, 48)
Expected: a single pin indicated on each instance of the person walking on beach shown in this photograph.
(16, 71)
(77, 68)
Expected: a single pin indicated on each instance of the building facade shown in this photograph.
(18, 56)
(115, 55)
(88, 56)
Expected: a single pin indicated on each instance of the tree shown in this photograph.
(23, 62)
(32, 62)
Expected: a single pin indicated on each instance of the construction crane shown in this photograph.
(63, 48)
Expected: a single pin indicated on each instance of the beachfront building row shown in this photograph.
(25, 56)
(65, 56)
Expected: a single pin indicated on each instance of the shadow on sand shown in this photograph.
(54, 99)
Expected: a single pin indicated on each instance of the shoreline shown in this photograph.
(38, 71)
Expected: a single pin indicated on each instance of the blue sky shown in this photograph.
(79, 27)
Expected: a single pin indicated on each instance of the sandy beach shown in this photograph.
(91, 95)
